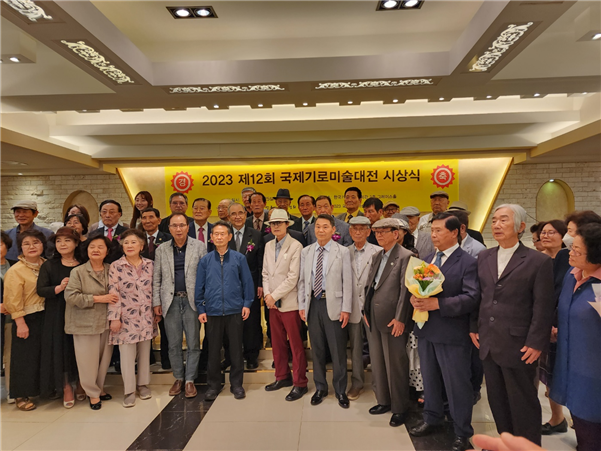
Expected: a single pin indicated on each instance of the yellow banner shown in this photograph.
(405, 182)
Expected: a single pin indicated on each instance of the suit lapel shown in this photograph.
(246, 237)
(374, 267)
(493, 263)
(391, 263)
(189, 249)
(452, 259)
(366, 256)
(283, 250)
(518, 257)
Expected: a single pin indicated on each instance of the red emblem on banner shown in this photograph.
(443, 176)
(182, 182)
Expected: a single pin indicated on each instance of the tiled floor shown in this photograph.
(262, 421)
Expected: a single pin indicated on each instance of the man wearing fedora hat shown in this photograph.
(283, 200)
(462, 206)
(25, 211)
(281, 268)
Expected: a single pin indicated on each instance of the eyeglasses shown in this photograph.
(548, 233)
(276, 223)
(381, 232)
(576, 253)
(238, 213)
(34, 244)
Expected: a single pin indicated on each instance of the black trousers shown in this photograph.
(327, 334)
(477, 370)
(217, 328)
(252, 335)
(513, 399)
(447, 367)
(588, 434)
(25, 358)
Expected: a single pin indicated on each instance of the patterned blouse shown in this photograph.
(134, 307)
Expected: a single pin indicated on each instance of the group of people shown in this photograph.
(501, 312)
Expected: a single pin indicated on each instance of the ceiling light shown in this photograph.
(182, 12)
(389, 4)
(14, 163)
(203, 12)
(14, 59)
(441, 98)
(596, 36)
(305, 104)
(395, 100)
(584, 93)
(20, 173)
(260, 105)
(350, 102)
(410, 3)
(192, 12)
(537, 95)
(489, 97)
(215, 106)
(551, 180)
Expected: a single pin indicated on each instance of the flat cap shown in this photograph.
(458, 205)
(410, 211)
(25, 205)
(389, 203)
(439, 193)
(385, 223)
(403, 221)
(359, 220)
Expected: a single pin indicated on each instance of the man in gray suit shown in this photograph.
(323, 206)
(468, 244)
(173, 285)
(361, 256)
(325, 301)
(387, 311)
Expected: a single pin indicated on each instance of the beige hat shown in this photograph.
(439, 193)
(279, 215)
(403, 221)
(388, 204)
(385, 223)
(26, 205)
(359, 220)
(458, 205)
(410, 211)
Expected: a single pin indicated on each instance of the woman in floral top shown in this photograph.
(131, 317)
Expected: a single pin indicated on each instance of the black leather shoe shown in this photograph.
(278, 384)
(252, 365)
(318, 396)
(423, 429)
(96, 406)
(105, 397)
(397, 419)
(211, 394)
(379, 409)
(461, 444)
(343, 400)
(562, 427)
(296, 393)
(238, 392)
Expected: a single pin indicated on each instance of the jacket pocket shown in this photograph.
(518, 331)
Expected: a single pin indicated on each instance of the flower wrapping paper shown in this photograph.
(431, 284)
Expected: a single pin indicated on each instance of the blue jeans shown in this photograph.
(181, 318)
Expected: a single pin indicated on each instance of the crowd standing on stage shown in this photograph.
(88, 296)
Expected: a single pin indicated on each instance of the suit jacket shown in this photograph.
(360, 278)
(342, 229)
(160, 239)
(163, 281)
(164, 225)
(460, 297)
(115, 252)
(472, 246)
(254, 257)
(517, 308)
(390, 298)
(250, 223)
(339, 279)
(208, 243)
(476, 235)
(342, 216)
(298, 224)
(424, 243)
(298, 236)
(280, 278)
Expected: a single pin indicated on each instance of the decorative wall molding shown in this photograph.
(217, 89)
(29, 9)
(505, 40)
(81, 49)
(374, 84)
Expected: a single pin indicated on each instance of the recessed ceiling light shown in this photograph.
(389, 4)
(596, 36)
(192, 12)
(85, 111)
(410, 3)
(441, 98)
(14, 59)
(182, 12)
(489, 97)
(203, 12)
(305, 104)
(215, 106)
(20, 173)
(551, 180)
(395, 100)
(260, 105)
(537, 95)
(350, 102)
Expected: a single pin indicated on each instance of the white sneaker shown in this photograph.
(129, 400)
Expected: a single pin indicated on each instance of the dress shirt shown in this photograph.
(305, 223)
(205, 231)
(260, 219)
(503, 257)
(326, 252)
(382, 265)
(359, 253)
(423, 221)
(446, 253)
(179, 266)
(580, 279)
(155, 235)
(278, 246)
(241, 231)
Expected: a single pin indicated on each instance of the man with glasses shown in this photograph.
(178, 203)
(387, 311)
(390, 208)
(200, 228)
(173, 286)
(222, 209)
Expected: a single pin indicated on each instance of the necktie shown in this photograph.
(109, 234)
(201, 235)
(257, 224)
(318, 283)
(238, 241)
(305, 226)
(151, 246)
(438, 261)
(348, 218)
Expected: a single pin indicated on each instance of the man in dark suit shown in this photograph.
(178, 203)
(373, 209)
(323, 206)
(200, 228)
(259, 216)
(387, 312)
(306, 207)
(515, 318)
(352, 202)
(462, 206)
(110, 213)
(283, 201)
(249, 242)
(444, 343)
(150, 219)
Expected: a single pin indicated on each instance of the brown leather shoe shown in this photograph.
(190, 390)
(176, 389)
(353, 393)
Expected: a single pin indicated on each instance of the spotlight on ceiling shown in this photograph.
(14, 59)
(489, 97)
(395, 100)
(260, 105)
(441, 98)
(537, 95)
(551, 180)
(391, 5)
(305, 104)
(216, 106)
(596, 36)
(350, 102)
(192, 12)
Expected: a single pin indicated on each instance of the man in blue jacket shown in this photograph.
(224, 294)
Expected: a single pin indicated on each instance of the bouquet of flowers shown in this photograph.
(423, 280)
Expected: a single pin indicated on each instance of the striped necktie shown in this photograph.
(318, 283)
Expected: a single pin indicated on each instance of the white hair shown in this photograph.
(519, 216)
(229, 209)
